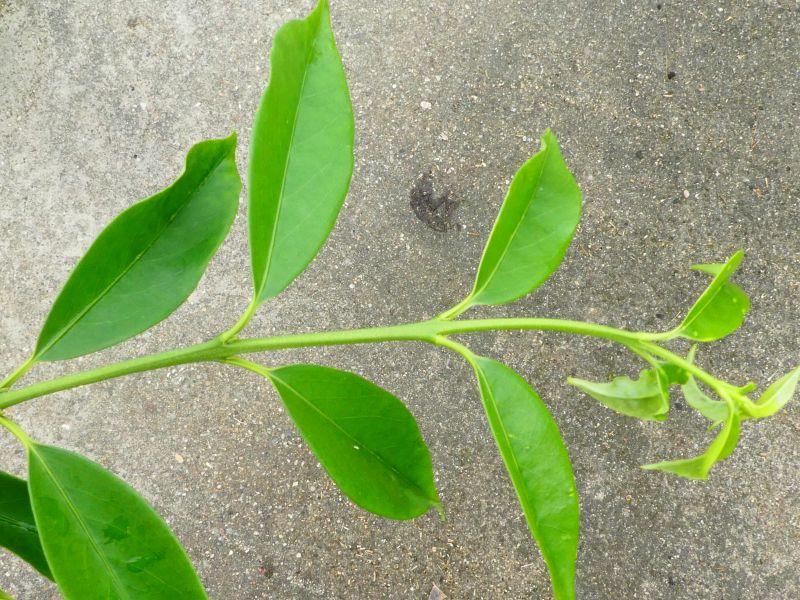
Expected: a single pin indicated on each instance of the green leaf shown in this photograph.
(17, 526)
(5, 596)
(777, 395)
(148, 260)
(644, 398)
(301, 156)
(715, 411)
(364, 436)
(699, 466)
(538, 465)
(721, 309)
(533, 229)
(101, 539)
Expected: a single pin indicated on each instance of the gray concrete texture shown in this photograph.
(680, 121)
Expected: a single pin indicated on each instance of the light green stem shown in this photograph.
(17, 373)
(729, 393)
(238, 361)
(16, 430)
(241, 323)
(431, 331)
(456, 310)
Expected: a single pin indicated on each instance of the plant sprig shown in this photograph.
(85, 529)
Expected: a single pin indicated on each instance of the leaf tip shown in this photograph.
(549, 139)
(323, 6)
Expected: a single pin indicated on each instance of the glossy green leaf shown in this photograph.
(101, 539)
(721, 309)
(699, 466)
(533, 229)
(538, 465)
(301, 155)
(777, 395)
(148, 260)
(17, 526)
(5, 596)
(364, 436)
(644, 398)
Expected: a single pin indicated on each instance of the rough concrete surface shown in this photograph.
(680, 121)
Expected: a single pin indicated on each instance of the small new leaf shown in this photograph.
(533, 229)
(644, 398)
(17, 527)
(699, 466)
(721, 309)
(538, 465)
(715, 411)
(301, 154)
(363, 436)
(148, 260)
(777, 395)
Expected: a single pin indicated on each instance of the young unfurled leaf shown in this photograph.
(699, 466)
(721, 309)
(101, 539)
(532, 231)
(538, 465)
(644, 398)
(148, 260)
(17, 527)
(777, 395)
(366, 439)
(301, 154)
(715, 411)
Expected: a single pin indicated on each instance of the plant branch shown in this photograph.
(431, 331)
(729, 393)
(17, 373)
(241, 323)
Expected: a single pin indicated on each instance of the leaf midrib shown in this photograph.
(415, 487)
(279, 206)
(702, 303)
(11, 522)
(531, 515)
(491, 275)
(79, 317)
(510, 453)
(68, 501)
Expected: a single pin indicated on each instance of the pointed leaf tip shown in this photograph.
(301, 154)
(777, 395)
(721, 308)
(700, 466)
(533, 229)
